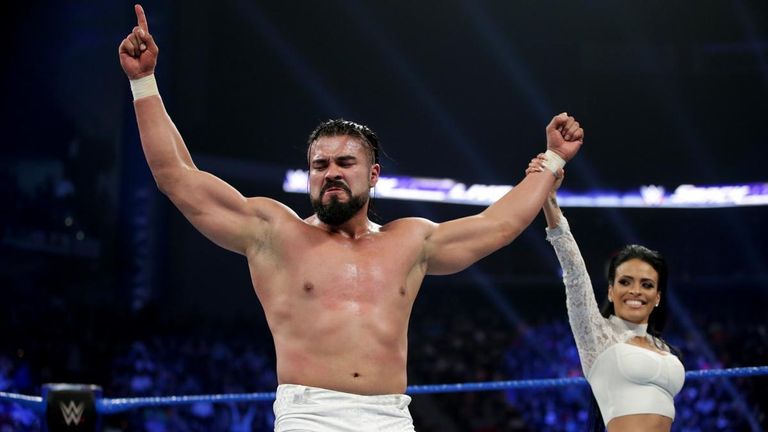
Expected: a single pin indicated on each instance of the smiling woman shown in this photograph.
(634, 382)
(633, 373)
(637, 280)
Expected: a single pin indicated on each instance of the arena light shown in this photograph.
(649, 196)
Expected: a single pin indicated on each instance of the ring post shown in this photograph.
(71, 407)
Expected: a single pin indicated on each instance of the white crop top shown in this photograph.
(625, 378)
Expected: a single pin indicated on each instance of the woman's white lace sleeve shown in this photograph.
(591, 331)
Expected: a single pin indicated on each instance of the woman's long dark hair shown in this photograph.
(656, 321)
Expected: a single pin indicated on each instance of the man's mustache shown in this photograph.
(335, 184)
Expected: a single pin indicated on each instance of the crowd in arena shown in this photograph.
(453, 338)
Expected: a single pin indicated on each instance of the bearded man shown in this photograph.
(336, 288)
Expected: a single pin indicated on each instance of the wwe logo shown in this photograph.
(72, 412)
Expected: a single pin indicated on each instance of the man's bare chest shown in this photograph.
(367, 268)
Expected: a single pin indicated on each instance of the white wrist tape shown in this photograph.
(553, 161)
(143, 87)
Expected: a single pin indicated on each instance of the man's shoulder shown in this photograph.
(409, 224)
(271, 209)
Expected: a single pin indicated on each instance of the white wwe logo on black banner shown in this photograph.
(72, 412)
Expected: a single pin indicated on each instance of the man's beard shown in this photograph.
(335, 212)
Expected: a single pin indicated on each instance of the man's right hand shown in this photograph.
(138, 51)
(564, 136)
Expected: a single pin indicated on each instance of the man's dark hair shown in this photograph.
(340, 127)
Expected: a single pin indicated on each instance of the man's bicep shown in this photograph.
(220, 212)
(455, 245)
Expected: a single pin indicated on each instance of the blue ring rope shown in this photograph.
(116, 405)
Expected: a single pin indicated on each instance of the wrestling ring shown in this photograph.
(79, 407)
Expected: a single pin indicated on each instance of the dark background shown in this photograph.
(668, 93)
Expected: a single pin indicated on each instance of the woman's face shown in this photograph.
(635, 291)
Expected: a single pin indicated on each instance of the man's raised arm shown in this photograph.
(454, 245)
(214, 207)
